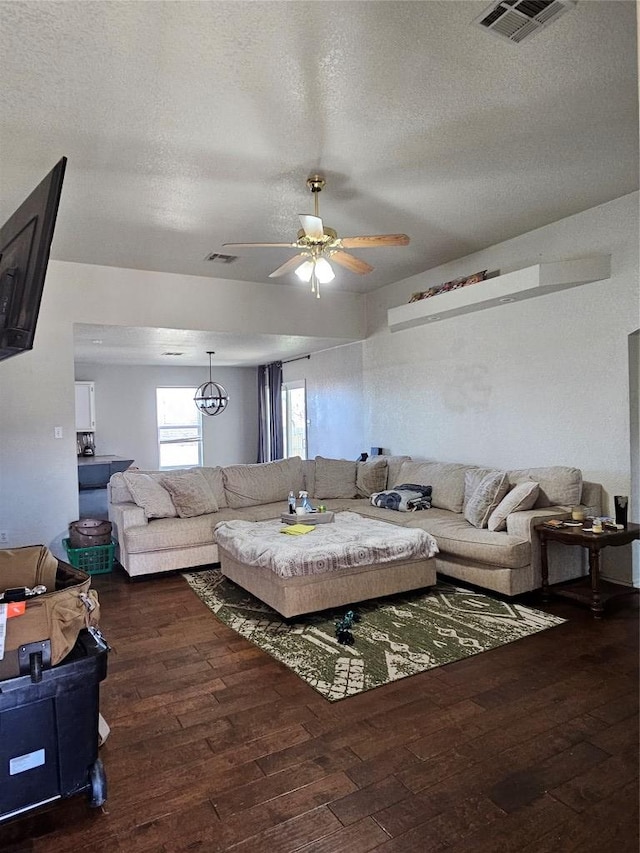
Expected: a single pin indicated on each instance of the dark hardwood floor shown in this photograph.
(214, 746)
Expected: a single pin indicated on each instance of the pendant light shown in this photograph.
(211, 397)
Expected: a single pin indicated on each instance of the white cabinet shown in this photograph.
(85, 407)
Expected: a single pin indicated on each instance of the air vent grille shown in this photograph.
(517, 20)
(219, 258)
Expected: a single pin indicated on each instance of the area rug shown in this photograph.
(395, 637)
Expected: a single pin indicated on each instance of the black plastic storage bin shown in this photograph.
(49, 731)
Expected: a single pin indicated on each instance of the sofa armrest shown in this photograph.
(125, 515)
(522, 523)
(591, 500)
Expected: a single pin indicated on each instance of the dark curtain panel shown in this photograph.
(270, 432)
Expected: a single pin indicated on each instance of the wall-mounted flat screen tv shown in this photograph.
(25, 241)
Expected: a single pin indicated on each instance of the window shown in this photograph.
(294, 419)
(179, 428)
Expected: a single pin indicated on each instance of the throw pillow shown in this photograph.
(149, 494)
(486, 496)
(262, 482)
(408, 497)
(521, 497)
(190, 493)
(446, 478)
(371, 476)
(559, 484)
(335, 478)
(472, 479)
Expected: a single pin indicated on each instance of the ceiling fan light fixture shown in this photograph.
(324, 271)
(317, 242)
(305, 271)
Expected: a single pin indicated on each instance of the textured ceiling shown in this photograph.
(191, 124)
(126, 345)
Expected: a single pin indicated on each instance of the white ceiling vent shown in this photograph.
(517, 20)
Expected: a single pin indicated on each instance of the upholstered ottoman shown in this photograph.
(353, 559)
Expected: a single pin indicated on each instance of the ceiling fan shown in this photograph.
(318, 244)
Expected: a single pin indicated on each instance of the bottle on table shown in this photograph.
(306, 505)
(292, 502)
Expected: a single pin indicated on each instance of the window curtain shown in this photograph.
(270, 432)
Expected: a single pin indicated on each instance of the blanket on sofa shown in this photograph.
(349, 542)
(407, 497)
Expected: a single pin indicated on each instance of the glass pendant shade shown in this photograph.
(324, 273)
(316, 269)
(305, 270)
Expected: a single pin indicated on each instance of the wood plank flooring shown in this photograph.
(214, 746)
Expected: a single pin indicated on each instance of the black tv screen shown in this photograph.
(25, 241)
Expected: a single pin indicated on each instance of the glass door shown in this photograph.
(294, 418)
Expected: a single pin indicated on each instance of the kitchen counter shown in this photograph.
(94, 471)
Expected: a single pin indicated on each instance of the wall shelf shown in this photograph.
(515, 286)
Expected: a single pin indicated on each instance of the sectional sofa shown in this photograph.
(482, 519)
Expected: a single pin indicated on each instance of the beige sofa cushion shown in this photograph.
(559, 485)
(149, 494)
(521, 497)
(483, 494)
(445, 478)
(262, 483)
(309, 475)
(168, 533)
(394, 464)
(190, 493)
(459, 539)
(335, 478)
(371, 476)
(214, 478)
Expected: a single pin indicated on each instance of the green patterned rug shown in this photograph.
(395, 637)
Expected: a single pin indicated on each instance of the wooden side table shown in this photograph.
(594, 543)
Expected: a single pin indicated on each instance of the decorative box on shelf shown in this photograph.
(307, 518)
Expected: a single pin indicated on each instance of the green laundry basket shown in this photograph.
(95, 560)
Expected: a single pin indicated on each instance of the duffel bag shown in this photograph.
(48, 623)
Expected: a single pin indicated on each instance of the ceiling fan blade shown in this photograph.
(287, 266)
(312, 226)
(375, 240)
(351, 262)
(259, 245)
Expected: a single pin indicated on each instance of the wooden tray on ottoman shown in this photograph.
(308, 518)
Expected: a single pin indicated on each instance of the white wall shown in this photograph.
(334, 401)
(38, 474)
(126, 425)
(540, 382)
